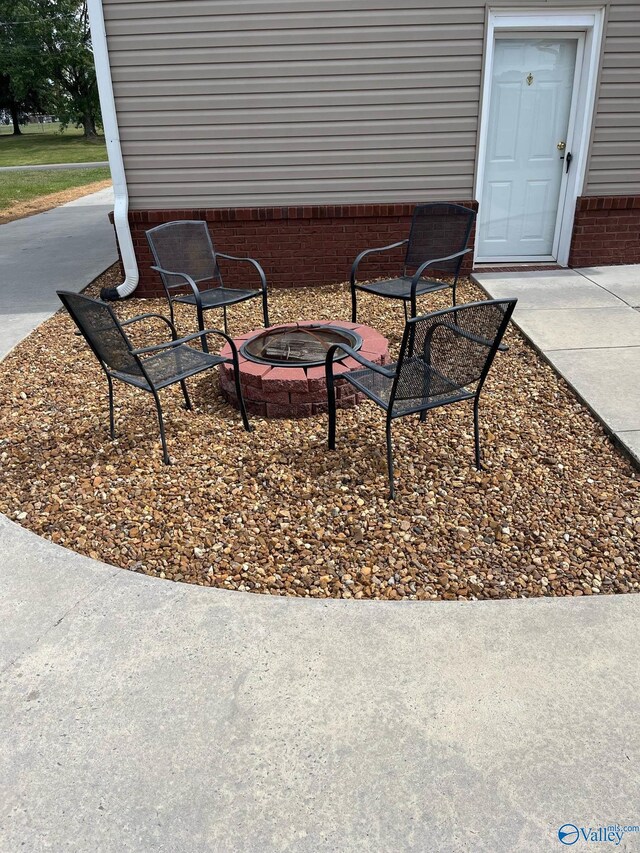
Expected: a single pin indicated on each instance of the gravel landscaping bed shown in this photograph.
(556, 512)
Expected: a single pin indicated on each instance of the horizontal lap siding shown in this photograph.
(614, 166)
(248, 103)
(239, 103)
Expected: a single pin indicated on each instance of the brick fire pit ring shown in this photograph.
(281, 391)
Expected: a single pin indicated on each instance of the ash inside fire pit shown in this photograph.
(299, 347)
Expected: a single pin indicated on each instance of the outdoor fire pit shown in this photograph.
(299, 346)
(282, 368)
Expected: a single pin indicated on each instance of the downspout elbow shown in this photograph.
(121, 223)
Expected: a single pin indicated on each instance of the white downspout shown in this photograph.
(114, 151)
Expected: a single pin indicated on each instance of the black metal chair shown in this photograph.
(185, 256)
(437, 243)
(164, 365)
(444, 358)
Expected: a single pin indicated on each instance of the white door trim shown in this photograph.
(589, 22)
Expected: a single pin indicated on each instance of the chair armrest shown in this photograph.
(366, 252)
(184, 340)
(174, 333)
(378, 368)
(187, 280)
(423, 267)
(259, 270)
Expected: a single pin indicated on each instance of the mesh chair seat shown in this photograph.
(400, 288)
(216, 297)
(444, 358)
(184, 248)
(171, 363)
(419, 387)
(170, 366)
(437, 243)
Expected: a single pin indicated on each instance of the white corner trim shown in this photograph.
(590, 22)
(114, 150)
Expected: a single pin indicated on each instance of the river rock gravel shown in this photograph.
(555, 513)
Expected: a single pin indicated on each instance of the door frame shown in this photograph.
(550, 22)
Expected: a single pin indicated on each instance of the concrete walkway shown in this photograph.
(54, 166)
(586, 322)
(141, 715)
(63, 248)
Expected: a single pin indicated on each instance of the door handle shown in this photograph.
(568, 159)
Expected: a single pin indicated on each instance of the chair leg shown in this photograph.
(426, 390)
(224, 313)
(112, 427)
(354, 307)
(476, 433)
(185, 393)
(412, 340)
(331, 407)
(392, 490)
(201, 327)
(404, 305)
(265, 310)
(165, 455)
(243, 408)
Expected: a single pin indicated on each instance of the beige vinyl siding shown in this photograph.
(614, 165)
(239, 103)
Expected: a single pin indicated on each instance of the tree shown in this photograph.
(47, 47)
(66, 40)
(15, 103)
(23, 75)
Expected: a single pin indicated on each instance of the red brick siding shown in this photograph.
(606, 231)
(296, 246)
(306, 246)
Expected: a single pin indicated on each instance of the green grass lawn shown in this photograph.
(24, 186)
(40, 145)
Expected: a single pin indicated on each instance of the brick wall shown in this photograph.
(606, 231)
(306, 246)
(296, 246)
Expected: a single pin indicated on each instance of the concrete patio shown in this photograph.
(586, 323)
(64, 248)
(141, 715)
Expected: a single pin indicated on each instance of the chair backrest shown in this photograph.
(184, 246)
(100, 328)
(458, 345)
(438, 230)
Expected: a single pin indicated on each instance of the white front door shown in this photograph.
(531, 93)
